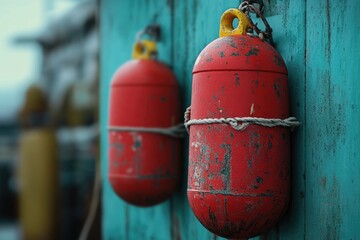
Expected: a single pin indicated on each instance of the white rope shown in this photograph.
(243, 5)
(94, 204)
(95, 200)
(241, 123)
(174, 131)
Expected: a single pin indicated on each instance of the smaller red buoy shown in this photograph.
(144, 152)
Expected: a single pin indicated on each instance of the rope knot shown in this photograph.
(238, 126)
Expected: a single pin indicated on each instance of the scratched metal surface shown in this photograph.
(319, 43)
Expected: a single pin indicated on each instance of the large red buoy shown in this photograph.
(239, 160)
(144, 148)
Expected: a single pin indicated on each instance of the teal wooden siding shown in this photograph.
(319, 41)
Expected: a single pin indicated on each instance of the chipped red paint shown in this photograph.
(239, 181)
(144, 167)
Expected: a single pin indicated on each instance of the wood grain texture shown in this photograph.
(319, 43)
(332, 100)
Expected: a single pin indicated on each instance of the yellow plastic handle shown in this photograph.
(144, 49)
(226, 23)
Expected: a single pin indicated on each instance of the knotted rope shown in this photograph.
(241, 123)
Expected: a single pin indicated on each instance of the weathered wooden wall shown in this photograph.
(319, 42)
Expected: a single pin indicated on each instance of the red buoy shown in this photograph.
(239, 172)
(144, 162)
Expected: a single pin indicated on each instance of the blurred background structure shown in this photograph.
(49, 82)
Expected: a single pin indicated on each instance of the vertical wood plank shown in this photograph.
(289, 37)
(287, 19)
(332, 96)
(291, 45)
(120, 21)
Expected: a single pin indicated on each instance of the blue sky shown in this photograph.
(19, 64)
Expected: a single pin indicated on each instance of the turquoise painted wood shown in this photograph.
(319, 41)
(332, 112)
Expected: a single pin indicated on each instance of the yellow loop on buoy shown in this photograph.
(144, 49)
(226, 23)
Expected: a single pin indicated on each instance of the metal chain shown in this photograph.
(153, 31)
(247, 7)
(241, 123)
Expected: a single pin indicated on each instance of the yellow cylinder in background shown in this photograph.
(38, 179)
